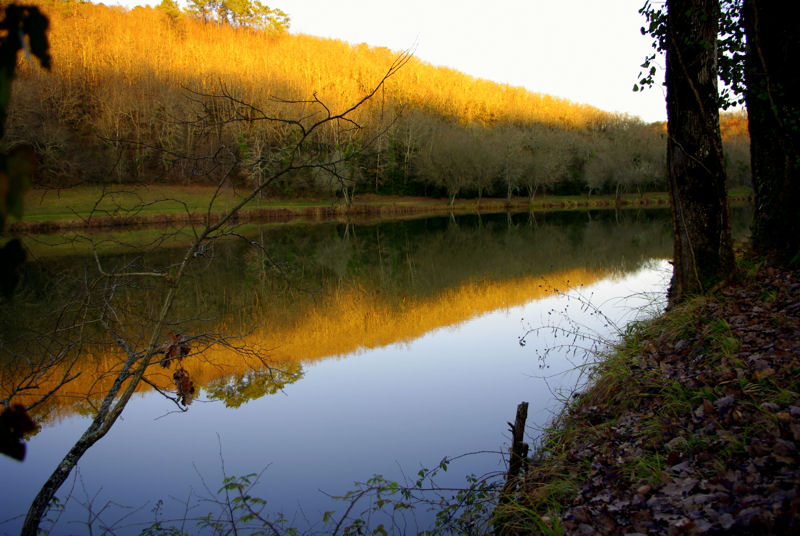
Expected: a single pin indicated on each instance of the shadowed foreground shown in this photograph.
(691, 427)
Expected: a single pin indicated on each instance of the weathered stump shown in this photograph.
(519, 449)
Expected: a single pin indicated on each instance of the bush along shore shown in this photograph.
(690, 426)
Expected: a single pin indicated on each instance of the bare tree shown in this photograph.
(546, 158)
(445, 159)
(302, 155)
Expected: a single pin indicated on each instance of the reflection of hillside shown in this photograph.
(330, 290)
(352, 319)
(345, 321)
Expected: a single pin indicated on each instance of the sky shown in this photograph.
(586, 51)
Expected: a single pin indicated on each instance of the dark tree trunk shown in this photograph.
(703, 253)
(773, 90)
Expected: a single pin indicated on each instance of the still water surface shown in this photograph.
(392, 346)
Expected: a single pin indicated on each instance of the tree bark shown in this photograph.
(703, 253)
(773, 90)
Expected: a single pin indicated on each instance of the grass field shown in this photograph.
(96, 207)
(80, 203)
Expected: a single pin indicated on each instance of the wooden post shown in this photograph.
(519, 449)
(519, 454)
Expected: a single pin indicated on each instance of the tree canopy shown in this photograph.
(237, 13)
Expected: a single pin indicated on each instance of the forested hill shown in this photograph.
(130, 99)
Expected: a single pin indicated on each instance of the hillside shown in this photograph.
(142, 96)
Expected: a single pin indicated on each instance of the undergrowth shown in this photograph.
(687, 412)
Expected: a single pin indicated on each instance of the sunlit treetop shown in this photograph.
(235, 13)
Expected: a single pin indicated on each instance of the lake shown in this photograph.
(321, 354)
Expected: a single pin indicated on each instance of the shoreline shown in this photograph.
(691, 425)
(368, 208)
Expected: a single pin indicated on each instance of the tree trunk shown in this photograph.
(703, 254)
(348, 192)
(532, 192)
(773, 89)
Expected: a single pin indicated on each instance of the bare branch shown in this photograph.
(132, 372)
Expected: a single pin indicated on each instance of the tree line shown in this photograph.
(250, 14)
(122, 107)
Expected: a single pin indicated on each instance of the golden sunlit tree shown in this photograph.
(237, 13)
(118, 101)
(144, 344)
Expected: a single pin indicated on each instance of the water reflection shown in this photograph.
(240, 388)
(424, 316)
(290, 295)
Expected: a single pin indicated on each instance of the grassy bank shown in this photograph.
(691, 426)
(97, 207)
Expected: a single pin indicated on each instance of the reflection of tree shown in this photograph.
(334, 255)
(253, 384)
(133, 329)
(299, 279)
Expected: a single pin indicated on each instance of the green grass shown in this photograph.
(79, 203)
(82, 201)
(718, 332)
(124, 240)
(647, 468)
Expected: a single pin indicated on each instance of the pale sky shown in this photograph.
(586, 51)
